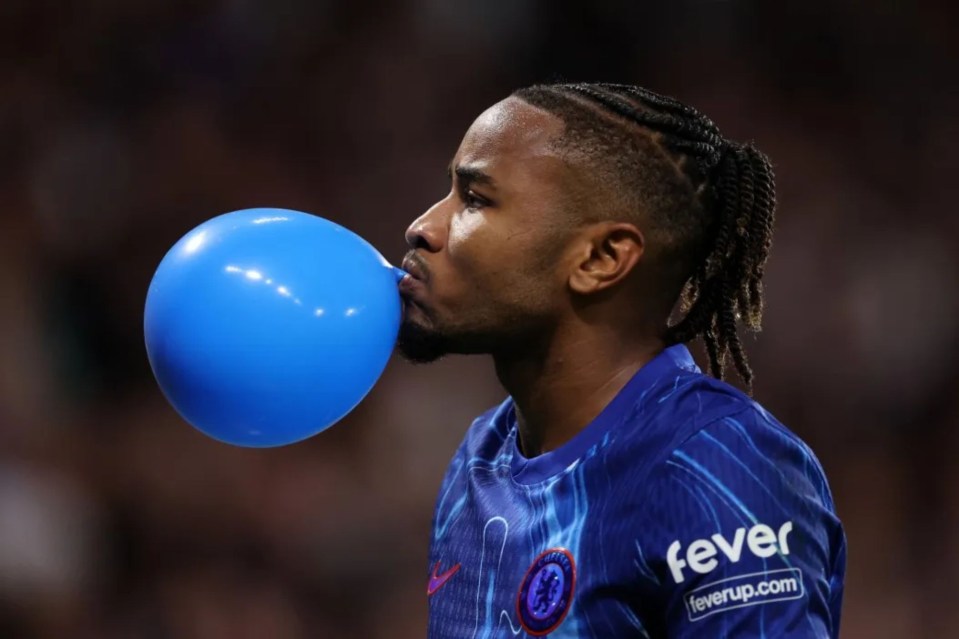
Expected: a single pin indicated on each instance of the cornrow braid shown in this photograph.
(683, 135)
(729, 189)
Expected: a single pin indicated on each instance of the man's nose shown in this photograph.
(428, 231)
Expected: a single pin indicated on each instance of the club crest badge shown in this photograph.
(546, 592)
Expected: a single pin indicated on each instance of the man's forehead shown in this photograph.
(509, 131)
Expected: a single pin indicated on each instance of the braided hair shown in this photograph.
(709, 200)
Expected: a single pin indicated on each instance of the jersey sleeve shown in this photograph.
(741, 535)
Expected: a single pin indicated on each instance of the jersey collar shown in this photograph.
(536, 469)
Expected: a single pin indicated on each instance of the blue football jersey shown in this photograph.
(683, 510)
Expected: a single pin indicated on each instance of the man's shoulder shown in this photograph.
(690, 399)
(488, 431)
(676, 407)
(715, 411)
(720, 433)
(688, 411)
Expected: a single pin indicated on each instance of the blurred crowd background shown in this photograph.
(124, 124)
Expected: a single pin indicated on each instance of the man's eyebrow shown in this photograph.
(471, 174)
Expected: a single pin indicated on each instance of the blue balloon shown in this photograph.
(265, 326)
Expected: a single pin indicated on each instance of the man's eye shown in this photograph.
(473, 201)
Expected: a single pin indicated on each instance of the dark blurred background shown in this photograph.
(126, 123)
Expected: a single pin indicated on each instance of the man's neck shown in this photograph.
(561, 389)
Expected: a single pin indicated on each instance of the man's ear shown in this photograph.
(608, 252)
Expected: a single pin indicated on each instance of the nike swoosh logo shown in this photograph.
(437, 581)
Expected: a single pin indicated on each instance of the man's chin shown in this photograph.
(420, 345)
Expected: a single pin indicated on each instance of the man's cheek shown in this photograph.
(466, 230)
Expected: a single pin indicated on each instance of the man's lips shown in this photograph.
(415, 280)
(410, 285)
(413, 265)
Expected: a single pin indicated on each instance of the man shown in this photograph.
(618, 491)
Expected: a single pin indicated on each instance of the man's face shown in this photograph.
(485, 260)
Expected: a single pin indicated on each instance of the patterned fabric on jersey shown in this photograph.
(683, 510)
